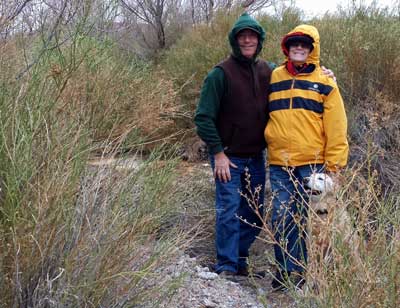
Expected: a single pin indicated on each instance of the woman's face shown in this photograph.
(299, 52)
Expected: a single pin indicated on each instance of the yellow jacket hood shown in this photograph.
(311, 31)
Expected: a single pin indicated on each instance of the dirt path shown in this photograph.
(193, 284)
(201, 288)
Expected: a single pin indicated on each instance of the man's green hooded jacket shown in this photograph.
(208, 116)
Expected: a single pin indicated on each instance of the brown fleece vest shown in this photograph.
(243, 112)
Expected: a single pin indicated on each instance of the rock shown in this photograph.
(209, 304)
(207, 275)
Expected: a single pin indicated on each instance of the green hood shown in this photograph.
(245, 21)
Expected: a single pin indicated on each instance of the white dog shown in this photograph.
(321, 189)
(328, 219)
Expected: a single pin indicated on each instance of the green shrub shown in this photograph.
(73, 235)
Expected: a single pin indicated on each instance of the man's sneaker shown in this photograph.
(244, 271)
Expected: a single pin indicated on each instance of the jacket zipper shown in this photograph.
(291, 115)
(291, 94)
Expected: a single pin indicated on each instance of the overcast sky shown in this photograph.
(319, 7)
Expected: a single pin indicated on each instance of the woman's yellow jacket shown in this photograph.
(308, 123)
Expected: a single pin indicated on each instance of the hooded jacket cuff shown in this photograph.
(214, 149)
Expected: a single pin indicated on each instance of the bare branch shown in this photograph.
(18, 10)
(151, 12)
(47, 42)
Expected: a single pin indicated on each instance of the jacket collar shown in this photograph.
(305, 69)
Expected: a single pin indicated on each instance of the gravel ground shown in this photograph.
(201, 288)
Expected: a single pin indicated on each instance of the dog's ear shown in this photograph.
(336, 179)
(328, 183)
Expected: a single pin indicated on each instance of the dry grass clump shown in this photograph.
(375, 135)
(121, 100)
(196, 53)
(82, 237)
(356, 269)
(114, 95)
(158, 110)
(12, 61)
(369, 279)
(97, 85)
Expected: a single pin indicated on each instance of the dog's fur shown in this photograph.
(328, 219)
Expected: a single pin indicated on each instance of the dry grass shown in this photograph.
(369, 279)
(350, 273)
(89, 237)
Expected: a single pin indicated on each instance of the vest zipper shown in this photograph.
(253, 76)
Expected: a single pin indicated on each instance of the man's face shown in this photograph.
(248, 41)
(298, 52)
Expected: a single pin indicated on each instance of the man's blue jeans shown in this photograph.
(234, 236)
(289, 215)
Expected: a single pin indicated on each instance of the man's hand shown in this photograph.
(328, 73)
(222, 164)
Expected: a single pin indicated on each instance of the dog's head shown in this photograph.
(320, 187)
(319, 183)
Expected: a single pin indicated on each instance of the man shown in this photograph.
(230, 119)
(306, 133)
